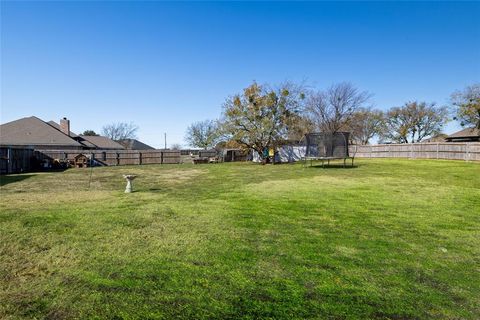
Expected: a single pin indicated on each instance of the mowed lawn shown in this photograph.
(388, 239)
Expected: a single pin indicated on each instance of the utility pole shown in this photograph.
(165, 135)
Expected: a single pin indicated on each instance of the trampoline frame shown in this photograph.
(328, 137)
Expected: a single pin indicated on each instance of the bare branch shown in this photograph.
(120, 131)
(331, 109)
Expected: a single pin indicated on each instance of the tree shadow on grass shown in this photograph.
(4, 180)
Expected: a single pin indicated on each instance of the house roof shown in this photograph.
(75, 136)
(34, 131)
(436, 138)
(85, 142)
(57, 126)
(102, 142)
(134, 144)
(465, 133)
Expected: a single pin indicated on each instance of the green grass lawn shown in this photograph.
(388, 239)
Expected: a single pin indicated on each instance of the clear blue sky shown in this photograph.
(166, 65)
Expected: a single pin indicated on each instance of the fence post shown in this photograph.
(467, 153)
(118, 158)
(9, 160)
(139, 157)
(437, 149)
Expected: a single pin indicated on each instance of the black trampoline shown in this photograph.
(324, 146)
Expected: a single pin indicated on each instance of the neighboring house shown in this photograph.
(465, 135)
(33, 132)
(134, 144)
(437, 138)
(103, 143)
(64, 124)
(91, 142)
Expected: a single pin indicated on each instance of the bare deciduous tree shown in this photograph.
(202, 134)
(176, 146)
(331, 109)
(413, 122)
(365, 124)
(467, 104)
(120, 131)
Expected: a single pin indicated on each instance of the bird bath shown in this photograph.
(129, 178)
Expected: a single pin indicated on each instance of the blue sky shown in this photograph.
(166, 65)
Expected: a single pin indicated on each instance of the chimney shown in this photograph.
(65, 126)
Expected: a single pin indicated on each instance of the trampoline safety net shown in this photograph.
(327, 145)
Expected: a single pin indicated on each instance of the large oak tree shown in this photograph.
(413, 122)
(467, 104)
(262, 116)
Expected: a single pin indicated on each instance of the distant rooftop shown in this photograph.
(134, 144)
(467, 134)
(102, 142)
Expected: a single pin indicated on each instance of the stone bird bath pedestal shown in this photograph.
(129, 178)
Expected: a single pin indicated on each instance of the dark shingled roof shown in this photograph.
(73, 135)
(134, 144)
(34, 131)
(103, 142)
(85, 142)
(465, 135)
(57, 126)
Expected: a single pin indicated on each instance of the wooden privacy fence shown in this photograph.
(20, 159)
(16, 159)
(116, 157)
(468, 151)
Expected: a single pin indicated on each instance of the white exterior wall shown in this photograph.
(285, 154)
